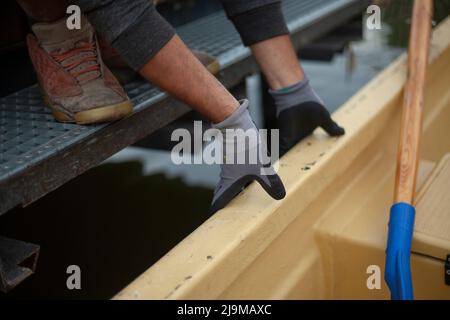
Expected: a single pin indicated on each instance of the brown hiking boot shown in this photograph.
(75, 82)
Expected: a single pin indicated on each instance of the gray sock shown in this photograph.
(235, 175)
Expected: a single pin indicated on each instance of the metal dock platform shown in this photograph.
(38, 155)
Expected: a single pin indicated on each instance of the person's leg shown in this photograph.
(44, 10)
(149, 44)
(299, 109)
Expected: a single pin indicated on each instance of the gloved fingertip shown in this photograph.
(276, 188)
(333, 129)
(338, 131)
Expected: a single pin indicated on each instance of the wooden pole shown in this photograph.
(411, 126)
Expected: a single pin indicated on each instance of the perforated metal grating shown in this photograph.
(29, 134)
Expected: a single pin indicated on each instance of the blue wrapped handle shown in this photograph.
(397, 272)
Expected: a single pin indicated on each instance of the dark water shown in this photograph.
(119, 218)
(113, 222)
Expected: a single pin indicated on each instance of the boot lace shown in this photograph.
(81, 62)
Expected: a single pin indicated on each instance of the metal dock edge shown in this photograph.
(38, 155)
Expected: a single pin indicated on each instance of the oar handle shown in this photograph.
(401, 222)
(411, 126)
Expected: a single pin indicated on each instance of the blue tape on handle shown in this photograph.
(397, 270)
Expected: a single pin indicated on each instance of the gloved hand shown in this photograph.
(235, 176)
(299, 112)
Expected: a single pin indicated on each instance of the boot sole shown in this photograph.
(98, 115)
(213, 67)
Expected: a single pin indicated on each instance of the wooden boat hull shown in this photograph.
(319, 242)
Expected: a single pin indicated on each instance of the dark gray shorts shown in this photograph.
(125, 24)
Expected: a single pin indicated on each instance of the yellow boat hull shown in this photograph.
(321, 241)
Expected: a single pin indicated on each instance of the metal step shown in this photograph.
(17, 262)
(38, 155)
